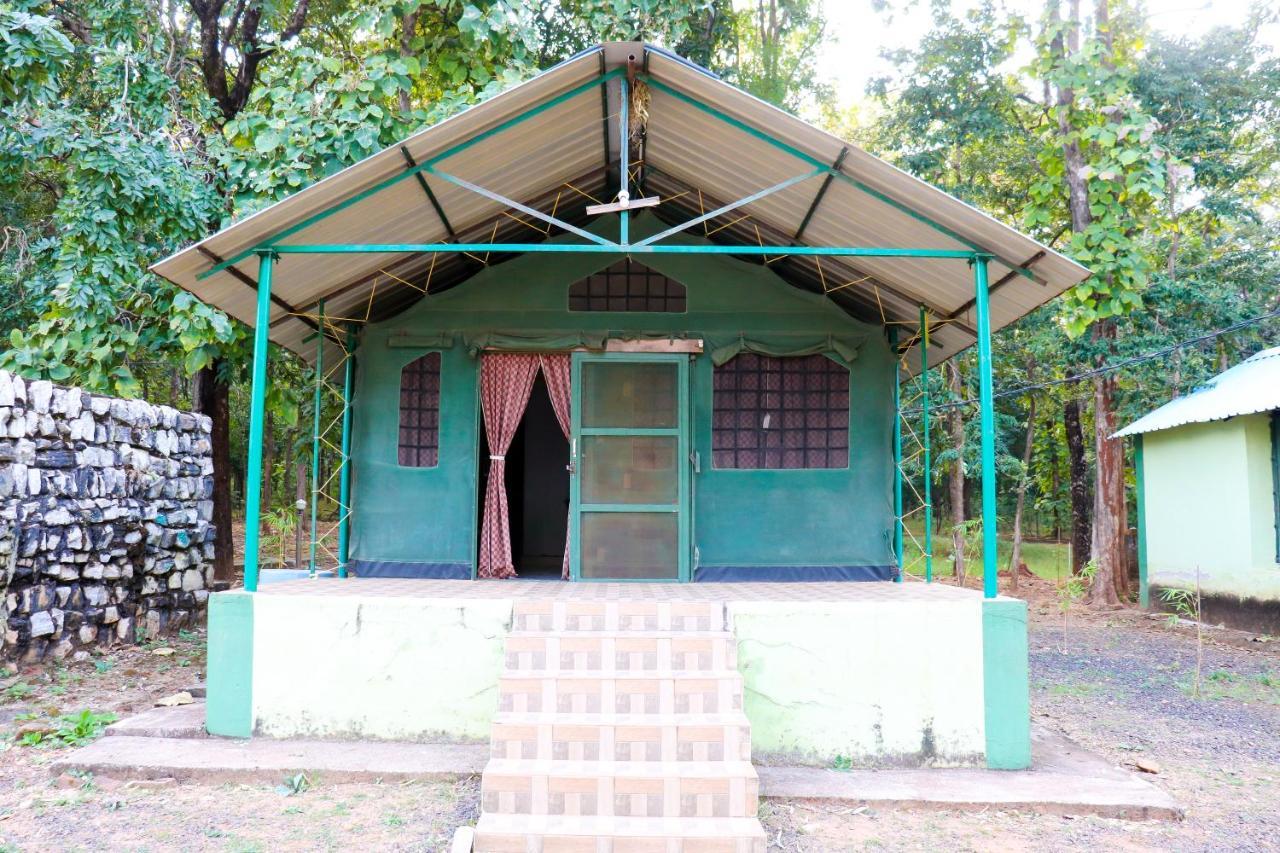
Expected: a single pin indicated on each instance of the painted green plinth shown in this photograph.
(1004, 676)
(229, 678)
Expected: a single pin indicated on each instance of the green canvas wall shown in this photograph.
(741, 518)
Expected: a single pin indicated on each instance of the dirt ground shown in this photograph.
(1119, 683)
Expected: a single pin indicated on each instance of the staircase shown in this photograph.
(620, 730)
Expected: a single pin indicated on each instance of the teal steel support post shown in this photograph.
(1144, 594)
(317, 400)
(897, 454)
(928, 459)
(344, 477)
(990, 581)
(257, 418)
(624, 161)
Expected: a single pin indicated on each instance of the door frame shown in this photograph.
(683, 474)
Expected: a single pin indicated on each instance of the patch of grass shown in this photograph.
(1263, 687)
(69, 730)
(1078, 688)
(1048, 560)
(18, 691)
(843, 763)
(393, 820)
(103, 666)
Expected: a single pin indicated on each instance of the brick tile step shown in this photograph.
(623, 788)
(639, 737)
(622, 615)
(621, 651)
(587, 834)
(667, 692)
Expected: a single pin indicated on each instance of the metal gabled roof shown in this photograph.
(1251, 387)
(704, 140)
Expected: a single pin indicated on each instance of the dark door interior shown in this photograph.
(537, 487)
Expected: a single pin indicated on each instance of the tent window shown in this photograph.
(627, 286)
(772, 412)
(420, 412)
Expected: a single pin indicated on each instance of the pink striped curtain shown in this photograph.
(556, 372)
(506, 379)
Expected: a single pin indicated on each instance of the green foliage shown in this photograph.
(69, 730)
(1124, 168)
(115, 188)
(293, 785)
(33, 55)
(79, 729)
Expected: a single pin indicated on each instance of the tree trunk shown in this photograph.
(1108, 498)
(213, 398)
(1081, 500)
(408, 27)
(268, 460)
(1015, 558)
(955, 418)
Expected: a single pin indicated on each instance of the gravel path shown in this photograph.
(1125, 691)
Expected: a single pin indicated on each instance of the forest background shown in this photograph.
(130, 129)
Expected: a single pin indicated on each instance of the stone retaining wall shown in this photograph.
(105, 508)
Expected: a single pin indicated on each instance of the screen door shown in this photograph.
(628, 454)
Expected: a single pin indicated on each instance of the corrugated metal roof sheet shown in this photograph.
(552, 159)
(1252, 386)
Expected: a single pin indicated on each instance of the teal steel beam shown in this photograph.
(431, 196)
(315, 442)
(986, 398)
(897, 453)
(840, 176)
(822, 191)
(410, 172)
(618, 249)
(257, 418)
(928, 461)
(344, 476)
(733, 205)
(523, 208)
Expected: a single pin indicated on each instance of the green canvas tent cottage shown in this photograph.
(1209, 495)
(623, 322)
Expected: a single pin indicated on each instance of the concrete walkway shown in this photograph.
(169, 743)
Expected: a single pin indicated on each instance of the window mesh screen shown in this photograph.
(780, 413)
(420, 412)
(627, 286)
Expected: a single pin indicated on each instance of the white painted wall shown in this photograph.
(866, 680)
(377, 667)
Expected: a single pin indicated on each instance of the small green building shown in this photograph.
(1209, 495)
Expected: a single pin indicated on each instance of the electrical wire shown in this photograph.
(1106, 368)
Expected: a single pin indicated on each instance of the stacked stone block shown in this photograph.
(105, 508)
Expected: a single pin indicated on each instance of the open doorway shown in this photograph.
(537, 488)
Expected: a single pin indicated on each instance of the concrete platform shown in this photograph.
(182, 721)
(1065, 779)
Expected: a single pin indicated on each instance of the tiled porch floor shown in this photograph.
(566, 591)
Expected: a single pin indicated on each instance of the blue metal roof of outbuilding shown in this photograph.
(1252, 386)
